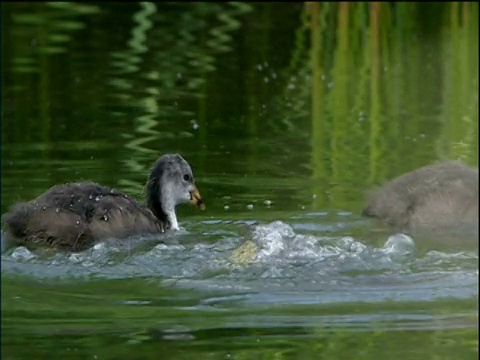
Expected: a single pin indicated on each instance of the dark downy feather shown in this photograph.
(75, 216)
(441, 198)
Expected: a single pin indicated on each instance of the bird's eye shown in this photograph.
(186, 177)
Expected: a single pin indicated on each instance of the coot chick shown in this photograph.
(77, 215)
(440, 200)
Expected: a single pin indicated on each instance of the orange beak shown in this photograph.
(196, 199)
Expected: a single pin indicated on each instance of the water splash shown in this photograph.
(269, 263)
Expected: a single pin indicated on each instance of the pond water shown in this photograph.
(288, 114)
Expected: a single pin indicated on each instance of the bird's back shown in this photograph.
(76, 215)
(444, 195)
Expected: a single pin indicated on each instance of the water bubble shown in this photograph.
(76, 258)
(250, 206)
(399, 244)
(259, 67)
(99, 246)
(267, 203)
(314, 196)
(105, 217)
(97, 198)
(350, 244)
(226, 208)
(272, 238)
(22, 253)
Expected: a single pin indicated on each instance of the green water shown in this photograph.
(288, 113)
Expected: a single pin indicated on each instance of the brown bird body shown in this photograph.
(440, 198)
(77, 215)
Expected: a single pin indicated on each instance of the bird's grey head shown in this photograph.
(171, 183)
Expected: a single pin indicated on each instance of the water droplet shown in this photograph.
(105, 217)
(314, 196)
(78, 222)
(195, 125)
(259, 67)
(266, 79)
(57, 210)
(98, 198)
(250, 206)
(267, 203)
(226, 208)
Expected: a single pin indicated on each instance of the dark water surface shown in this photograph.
(288, 115)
